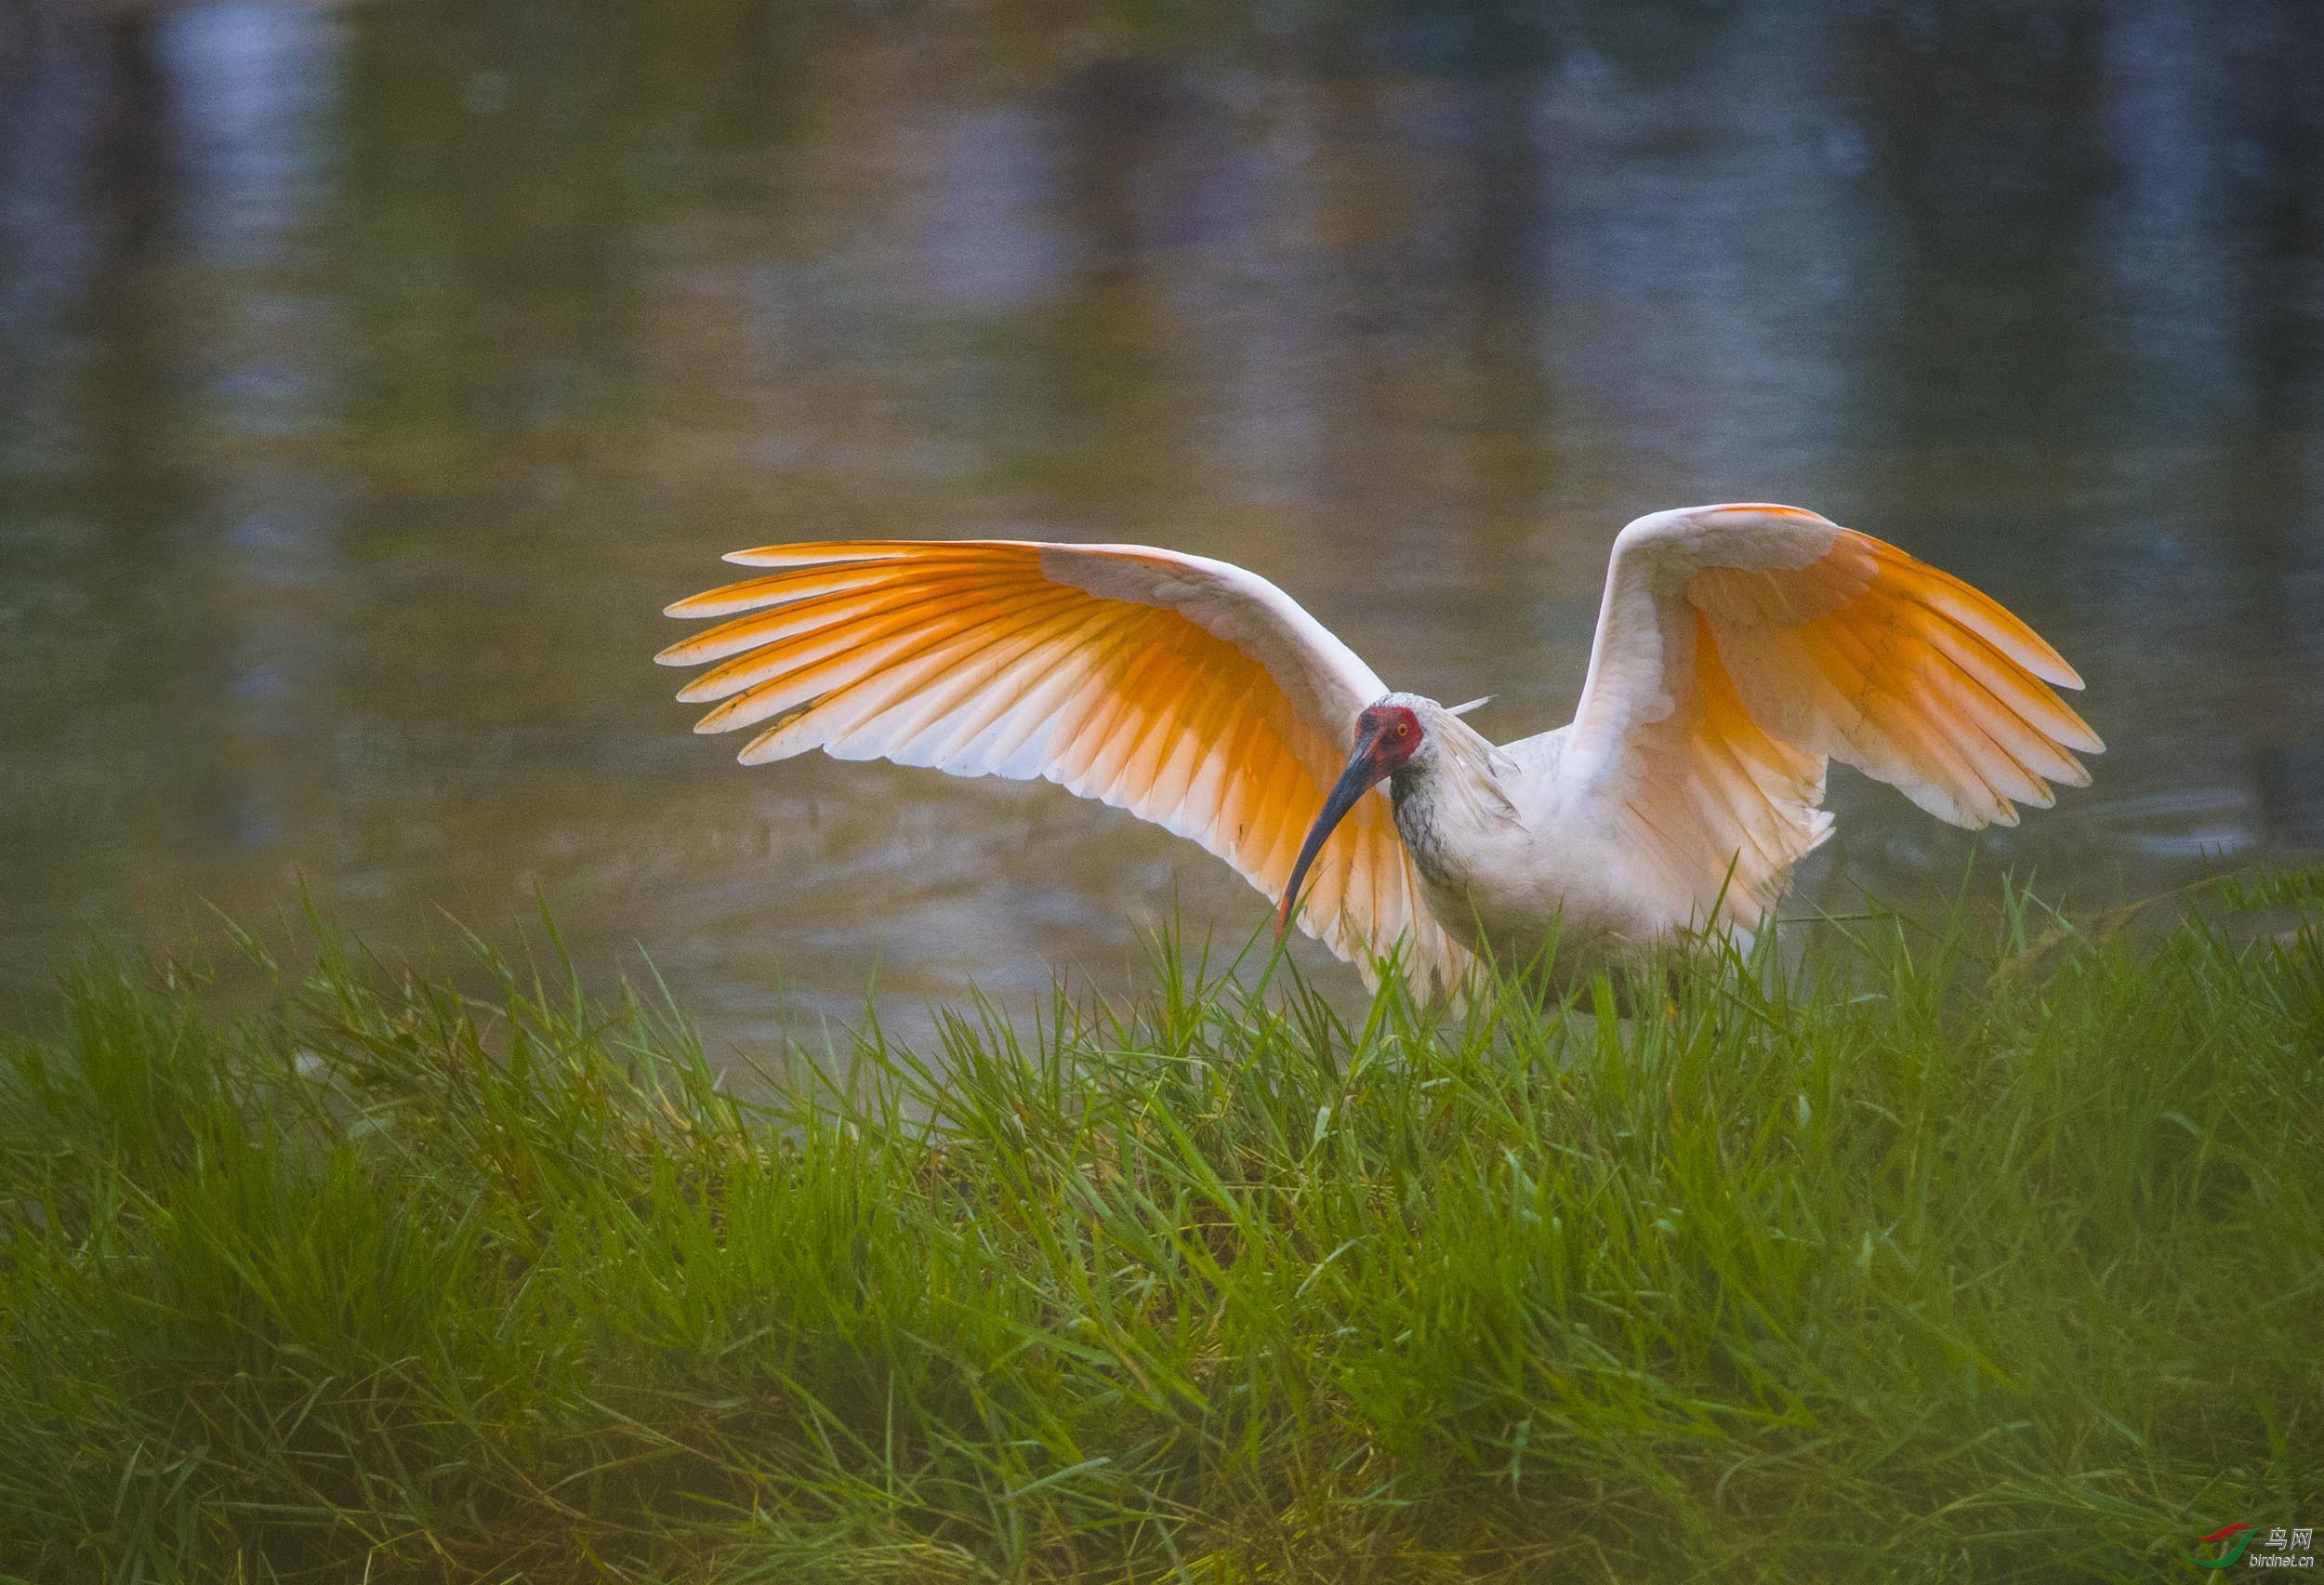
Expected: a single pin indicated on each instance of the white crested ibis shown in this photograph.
(1738, 647)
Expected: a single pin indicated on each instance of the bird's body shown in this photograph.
(1738, 647)
(1485, 871)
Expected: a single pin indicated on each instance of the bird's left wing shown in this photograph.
(1192, 692)
(1739, 646)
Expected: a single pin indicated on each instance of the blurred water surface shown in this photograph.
(371, 374)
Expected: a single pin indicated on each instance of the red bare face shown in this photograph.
(1391, 732)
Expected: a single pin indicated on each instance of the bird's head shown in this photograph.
(1387, 735)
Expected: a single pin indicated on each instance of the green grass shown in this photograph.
(1987, 1252)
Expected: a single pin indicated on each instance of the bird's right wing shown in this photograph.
(1741, 646)
(1192, 692)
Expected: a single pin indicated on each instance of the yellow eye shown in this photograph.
(1404, 729)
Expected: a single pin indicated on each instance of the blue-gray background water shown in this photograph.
(371, 374)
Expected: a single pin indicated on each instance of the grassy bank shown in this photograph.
(1982, 1253)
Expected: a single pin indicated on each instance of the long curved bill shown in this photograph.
(1354, 782)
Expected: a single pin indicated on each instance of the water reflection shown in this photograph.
(370, 375)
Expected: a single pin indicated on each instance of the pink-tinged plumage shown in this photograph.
(1738, 649)
(1191, 692)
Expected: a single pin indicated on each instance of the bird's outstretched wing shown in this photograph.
(1189, 691)
(1741, 646)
